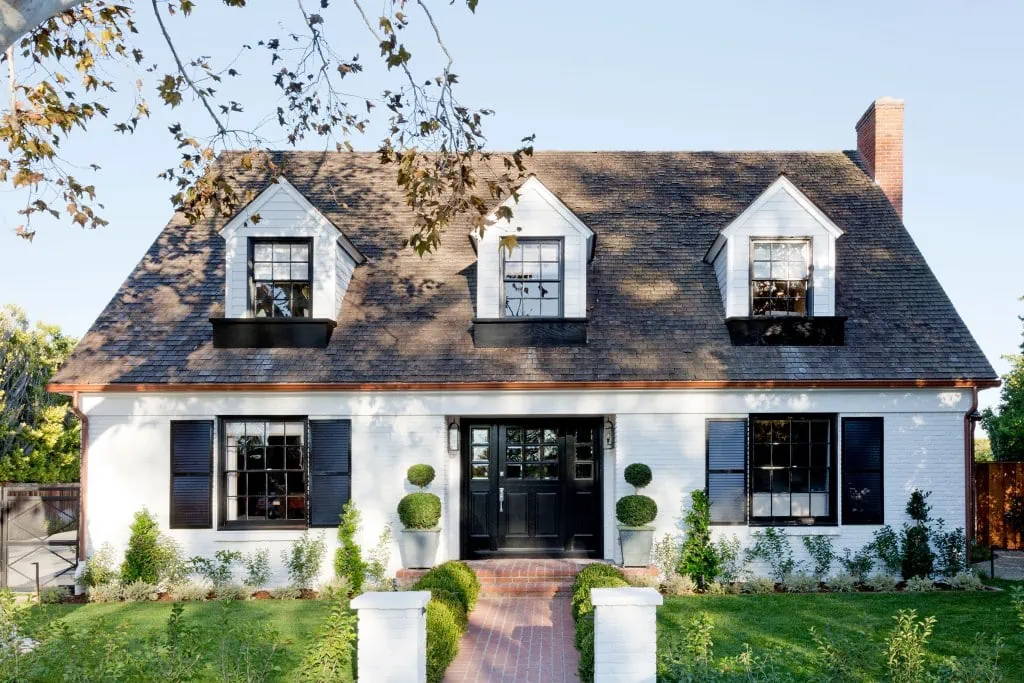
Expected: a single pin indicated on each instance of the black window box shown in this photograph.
(787, 331)
(272, 333)
(517, 332)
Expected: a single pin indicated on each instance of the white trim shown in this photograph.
(781, 184)
(551, 199)
(277, 186)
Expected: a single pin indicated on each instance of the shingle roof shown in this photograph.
(655, 310)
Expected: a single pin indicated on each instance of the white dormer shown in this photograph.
(778, 257)
(291, 262)
(545, 275)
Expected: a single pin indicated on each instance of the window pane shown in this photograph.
(530, 307)
(550, 453)
(262, 271)
(801, 505)
(549, 271)
(584, 453)
(263, 252)
(549, 308)
(481, 435)
(762, 505)
(514, 472)
(762, 251)
(548, 290)
(282, 271)
(479, 471)
(531, 270)
(481, 453)
(282, 252)
(532, 453)
(514, 434)
(762, 269)
(531, 251)
(300, 271)
(584, 470)
(300, 252)
(514, 453)
(549, 252)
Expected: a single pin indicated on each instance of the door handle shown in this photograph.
(501, 499)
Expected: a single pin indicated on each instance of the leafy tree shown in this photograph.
(39, 435)
(64, 55)
(1006, 428)
(699, 560)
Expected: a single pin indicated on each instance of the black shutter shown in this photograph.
(862, 470)
(330, 466)
(727, 467)
(191, 474)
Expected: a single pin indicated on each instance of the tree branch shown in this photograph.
(437, 34)
(184, 74)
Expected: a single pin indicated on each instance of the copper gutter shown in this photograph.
(83, 473)
(524, 386)
(969, 423)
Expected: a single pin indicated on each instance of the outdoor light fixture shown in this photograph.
(609, 433)
(453, 437)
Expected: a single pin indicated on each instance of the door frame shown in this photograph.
(465, 458)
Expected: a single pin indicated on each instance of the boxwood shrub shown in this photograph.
(420, 475)
(636, 510)
(638, 475)
(591, 576)
(453, 588)
(420, 510)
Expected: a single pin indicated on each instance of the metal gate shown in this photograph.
(38, 526)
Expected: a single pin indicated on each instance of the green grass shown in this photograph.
(782, 622)
(297, 621)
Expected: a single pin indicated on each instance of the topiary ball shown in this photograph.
(420, 475)
(638, 475)
(636, 510)
(420, 510)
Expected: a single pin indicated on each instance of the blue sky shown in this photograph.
(617, 75)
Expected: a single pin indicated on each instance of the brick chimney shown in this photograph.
(880, 144)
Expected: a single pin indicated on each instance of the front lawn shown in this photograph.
(780, 624)
(296, 623)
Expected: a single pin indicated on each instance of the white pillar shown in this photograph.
(625, 634)
(392, 637)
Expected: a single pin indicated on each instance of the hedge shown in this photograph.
(454, 589)
(591, 576)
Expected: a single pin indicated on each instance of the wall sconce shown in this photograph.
(609, 433)
(453, 437)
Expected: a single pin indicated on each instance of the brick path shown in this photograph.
(521, 639)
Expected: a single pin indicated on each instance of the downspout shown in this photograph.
(970, 421)
(83, 473)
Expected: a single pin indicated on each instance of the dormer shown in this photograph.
(534, 294)
(287, 268)
(775, 264)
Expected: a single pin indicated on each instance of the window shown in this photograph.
(280, 278)
(531, 453)
(726, 470)
(532, 279)
(780, 277)
(862, 470)
(264, 472)
(792, 467)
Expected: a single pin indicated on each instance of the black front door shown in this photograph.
(531, 487)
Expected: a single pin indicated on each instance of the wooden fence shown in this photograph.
(995, 484)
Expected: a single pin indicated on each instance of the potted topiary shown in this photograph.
(420, 512)
(635, 514)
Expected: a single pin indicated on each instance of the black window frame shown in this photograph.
(881, 471)
(251, 261)
(745, 471)
(830, 520)
(211, 475)
(222, 498)
(809, 290)
(560, 241)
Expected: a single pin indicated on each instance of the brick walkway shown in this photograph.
(521, 639)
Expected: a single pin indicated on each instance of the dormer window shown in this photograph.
(281, 278)
(780, 277)
(532, 276)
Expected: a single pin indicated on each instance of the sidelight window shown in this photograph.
(792, 469)
(265, 465)
(532, 279)
(480, 464)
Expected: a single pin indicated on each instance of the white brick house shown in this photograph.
(760, 324)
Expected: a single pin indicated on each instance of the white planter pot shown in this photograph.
(636, 546)
(418, 547)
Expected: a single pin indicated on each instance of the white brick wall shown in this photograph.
(625, 634)
(392, 637)
(129, 445)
